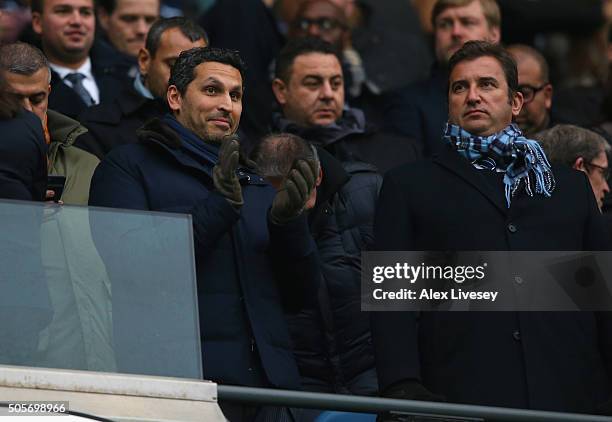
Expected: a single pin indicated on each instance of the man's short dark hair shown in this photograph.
(183, 71)
(297, 47)
(564, 144)
(37, 5)
(275, 154)
(473, 50)
(188, 28)
(109, 6)
(23, 59)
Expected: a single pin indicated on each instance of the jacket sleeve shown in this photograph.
(395, 334)
(212, 218)
(295, 262)
(116, 184)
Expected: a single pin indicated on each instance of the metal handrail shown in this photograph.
(349, 403)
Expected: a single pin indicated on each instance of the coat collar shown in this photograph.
(158, 133)
(449, 159)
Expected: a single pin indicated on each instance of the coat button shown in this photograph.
(512, 228)
(517, 335)
(518, 279)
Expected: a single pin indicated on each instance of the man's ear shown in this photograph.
(174, 98)
(37, 22)
(319, 177)
(579, 164)
(280, 91)
(517, 103)
(144, 61)
(548, 95)
(103, 18)
(494, 35)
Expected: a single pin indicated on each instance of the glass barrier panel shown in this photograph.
(98, 289)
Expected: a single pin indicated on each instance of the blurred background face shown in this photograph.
(13, 19)
(314, 94)
(67, 29)
(31, 90)
(128, 25)
(156, 69)
(321, 19)
(457, 25)
(537, 95)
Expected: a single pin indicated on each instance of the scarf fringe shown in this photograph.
(523, 160)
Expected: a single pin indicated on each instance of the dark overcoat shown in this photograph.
(552, 361)
(246, 267)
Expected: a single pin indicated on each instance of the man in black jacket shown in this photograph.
(81, 75)
(309, 87)
(332, 340)
(491, 189)
(115, 123)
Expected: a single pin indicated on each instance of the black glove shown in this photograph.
(411, 390)
(605, 408)
(406, 390)
(291, 198)
(224, 173)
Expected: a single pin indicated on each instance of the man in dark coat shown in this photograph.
(83, 73)
(536, 360)
(252, 246)
(419, 110)
(115, 122)
(332, 340)
(309, 87)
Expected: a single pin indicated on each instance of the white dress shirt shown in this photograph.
(88, 82)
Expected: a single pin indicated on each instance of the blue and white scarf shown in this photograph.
(522, 159)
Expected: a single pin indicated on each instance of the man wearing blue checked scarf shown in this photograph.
(491, 189)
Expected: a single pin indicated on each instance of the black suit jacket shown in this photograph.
(420, 110)
(107, 70)
(553, 361)
(116, 122)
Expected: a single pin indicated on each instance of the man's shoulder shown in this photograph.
(112, 112)
(413, 172)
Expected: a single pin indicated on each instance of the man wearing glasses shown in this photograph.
(582, 150)
(535, 87)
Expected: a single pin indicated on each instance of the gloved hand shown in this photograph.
(411, 390)
(224, 173)
(296, 189)
(605, 408)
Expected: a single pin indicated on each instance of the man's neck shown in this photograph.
(68, 62)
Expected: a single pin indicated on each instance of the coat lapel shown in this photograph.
(452, 161)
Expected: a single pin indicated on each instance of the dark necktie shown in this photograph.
(76, 79)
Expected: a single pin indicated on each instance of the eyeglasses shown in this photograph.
(529, 91)
(324, 24)
(605, 171)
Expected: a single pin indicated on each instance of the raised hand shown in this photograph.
(291, 198)
(224, 173)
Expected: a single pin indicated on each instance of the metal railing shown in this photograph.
(349, 403)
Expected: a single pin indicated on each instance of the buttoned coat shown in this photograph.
(537, 360)
(247, 267)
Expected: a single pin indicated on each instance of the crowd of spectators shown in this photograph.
(273, 123)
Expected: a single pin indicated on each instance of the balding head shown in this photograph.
(535, 87)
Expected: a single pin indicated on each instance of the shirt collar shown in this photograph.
(141, 89)
(85, 69)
